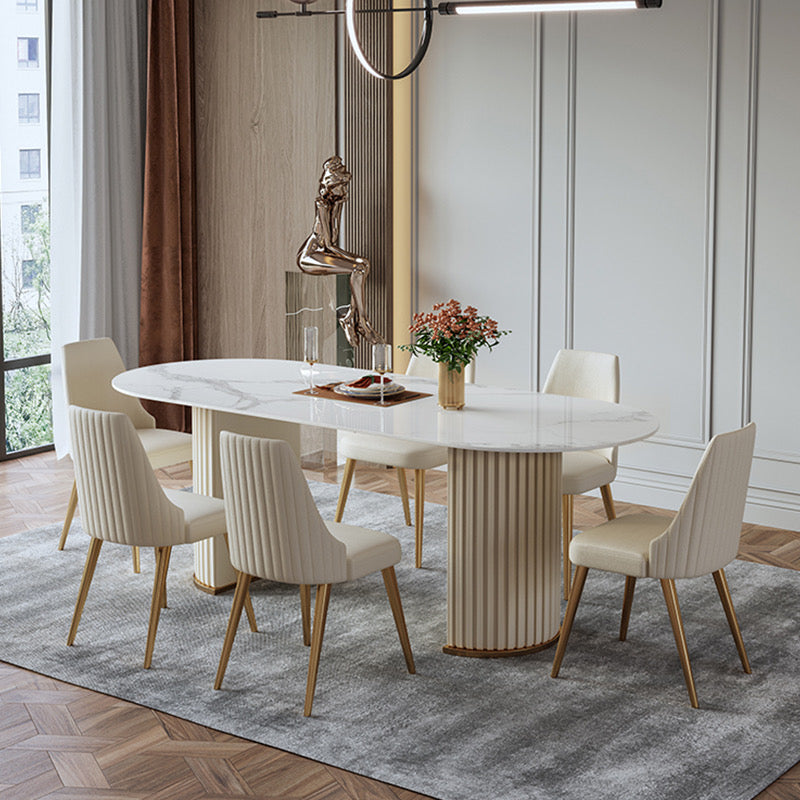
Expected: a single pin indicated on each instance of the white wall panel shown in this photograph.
(775, 365)
(475, 181)
(641, 228)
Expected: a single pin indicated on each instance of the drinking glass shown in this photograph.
(381, 362)
(311, 353)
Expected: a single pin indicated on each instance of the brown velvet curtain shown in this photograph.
(168, 317)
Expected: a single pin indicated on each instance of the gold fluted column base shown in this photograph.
(504, 549)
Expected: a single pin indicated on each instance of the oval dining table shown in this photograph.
(504, 476)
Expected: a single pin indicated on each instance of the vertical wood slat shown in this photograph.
(503, 551)
(367, 227)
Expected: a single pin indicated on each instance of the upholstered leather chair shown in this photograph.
(123, 502)
(703, 538)
(397, 453)
(594, 376)
(277, 533)
(89, 367)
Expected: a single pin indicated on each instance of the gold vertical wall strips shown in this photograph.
(367, 151)
(503, 552)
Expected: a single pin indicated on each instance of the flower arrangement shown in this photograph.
(451, 335)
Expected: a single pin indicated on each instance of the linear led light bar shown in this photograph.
(543, 6)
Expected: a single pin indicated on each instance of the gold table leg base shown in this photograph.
(468, 652)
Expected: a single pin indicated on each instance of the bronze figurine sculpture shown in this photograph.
(320, 254)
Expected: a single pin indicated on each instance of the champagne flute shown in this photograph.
(381, 362)
(311, 353)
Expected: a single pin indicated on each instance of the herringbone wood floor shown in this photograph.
(62, 741)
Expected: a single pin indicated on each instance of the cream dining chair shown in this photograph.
(398, 453)
(703, 538)
(277, 533)
(123, 502)
(594, 376)
(89, 367)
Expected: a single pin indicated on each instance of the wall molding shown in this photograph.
(536, 226)
(572, 134)
(750, 212)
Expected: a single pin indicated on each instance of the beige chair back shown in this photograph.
(425, 367)
(274, 528)
(582, 373)
(120, 497)
(89, 367)
(704, 536)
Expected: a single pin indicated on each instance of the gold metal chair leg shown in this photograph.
(608, 501)
(627, 603)
(305, 609)
(159, 581)
(248, 603)
(164, 585)
(401, 479)
(419, 514)
(671, 597)
(566, 536)
(320, 615)
(569, 618)
(239, 594)
(392, 590)
(727, 603)
(86, 580)
(344, 489)
(137, 560)
(71, 506)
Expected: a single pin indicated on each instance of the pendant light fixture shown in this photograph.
(456, 8)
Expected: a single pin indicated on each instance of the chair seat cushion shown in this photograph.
(203, 516)
(583, 471)
(621, 545)
(165, 447)
(367, 550)
(390, 451)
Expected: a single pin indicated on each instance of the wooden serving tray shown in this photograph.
(326, 391)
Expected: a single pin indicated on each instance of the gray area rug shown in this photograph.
(616, 724)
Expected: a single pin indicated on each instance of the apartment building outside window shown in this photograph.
(30, 164)
(28, 52)
(29, 108)
(28, 5)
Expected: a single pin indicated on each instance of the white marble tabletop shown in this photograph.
(501, 420)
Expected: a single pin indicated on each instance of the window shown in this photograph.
(27, 52)
(30, 164)
(29, 272)
(28, 108)
(27, 5)
(28, 216)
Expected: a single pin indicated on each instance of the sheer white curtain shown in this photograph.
(97, 161)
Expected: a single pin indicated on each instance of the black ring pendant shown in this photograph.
(422, 45)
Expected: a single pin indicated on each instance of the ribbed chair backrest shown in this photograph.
(274, 528)
(425, 367)
(120, 497)
(704, 536)
(582, 373)
(89, 367)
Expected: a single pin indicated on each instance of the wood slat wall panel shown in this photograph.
(265, 102)
(366, 108)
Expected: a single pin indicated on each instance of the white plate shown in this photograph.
(369, 391)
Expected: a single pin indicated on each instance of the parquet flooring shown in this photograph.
(62, 741)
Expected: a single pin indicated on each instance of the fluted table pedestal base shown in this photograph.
(503, 569)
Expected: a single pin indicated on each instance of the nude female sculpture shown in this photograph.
(320, 254)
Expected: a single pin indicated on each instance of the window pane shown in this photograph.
(27, 52)
(28, 108)
(29, 413)
(28, 5)
(30, 164)
(26, 287)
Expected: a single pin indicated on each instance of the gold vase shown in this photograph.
(451, 388)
